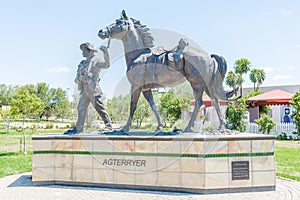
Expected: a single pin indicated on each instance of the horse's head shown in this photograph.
(130, 31)
(117, 29)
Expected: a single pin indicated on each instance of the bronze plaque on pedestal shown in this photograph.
(240, 170)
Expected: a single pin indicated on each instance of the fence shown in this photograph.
(279, 128)
(253, 127)
(14, 143)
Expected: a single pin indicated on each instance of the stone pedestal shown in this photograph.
(188, 162)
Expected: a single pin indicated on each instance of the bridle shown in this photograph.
(109, 33)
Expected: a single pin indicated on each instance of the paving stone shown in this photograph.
(19, 187)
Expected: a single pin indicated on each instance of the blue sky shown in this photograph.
(40, 39)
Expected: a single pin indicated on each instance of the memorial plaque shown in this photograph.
(240, 170)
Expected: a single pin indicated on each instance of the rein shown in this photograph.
(108, 43)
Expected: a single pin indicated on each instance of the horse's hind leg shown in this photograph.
(216, 104)
(198, 93)
(218, 109)
(149, 97)
(135, 94)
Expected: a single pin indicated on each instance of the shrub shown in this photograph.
(296, 114)
(236, 111)
(287, 136)
(209, 127)
(234, 115)
(49, 125)
(33, 127)
(265, 123)
(282, 136)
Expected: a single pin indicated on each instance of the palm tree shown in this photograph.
(253, 77)
(261, 76)
(257, 76)
(232, 80)
(241, 66)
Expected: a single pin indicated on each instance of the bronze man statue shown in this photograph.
(87, 78)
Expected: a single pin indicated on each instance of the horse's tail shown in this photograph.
(218, 78)
(222, 66)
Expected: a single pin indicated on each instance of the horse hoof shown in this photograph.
(158, 129)
(125, 129)
(222, 128)
(188, 130)
(72, 132)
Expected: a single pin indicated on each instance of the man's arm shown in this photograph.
(106, 57)
(78, 73)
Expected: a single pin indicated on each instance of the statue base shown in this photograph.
(184, 163)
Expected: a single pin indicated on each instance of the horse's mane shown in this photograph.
(145, 34)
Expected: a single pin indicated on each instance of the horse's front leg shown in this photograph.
(149, 97)
(135, 94)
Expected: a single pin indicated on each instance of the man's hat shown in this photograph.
(88, 46)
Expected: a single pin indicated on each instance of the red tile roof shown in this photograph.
(274, 97)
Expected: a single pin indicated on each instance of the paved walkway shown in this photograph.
(19, 187)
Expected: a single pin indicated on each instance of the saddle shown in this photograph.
(172, 58)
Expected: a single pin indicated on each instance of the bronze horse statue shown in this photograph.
(149, 67)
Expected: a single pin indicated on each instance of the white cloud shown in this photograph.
(286, 12)
(60, 69)
(282, 77)
(268, 69)
(298, 46)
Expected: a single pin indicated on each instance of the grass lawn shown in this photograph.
(288, 162)
(14, 163)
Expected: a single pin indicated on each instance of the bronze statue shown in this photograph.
(149, 67)
(87, 79)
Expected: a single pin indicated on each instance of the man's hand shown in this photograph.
(104, 49)
(76, 80)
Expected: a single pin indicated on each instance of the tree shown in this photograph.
(253, 78)
(295, 102)
(118, 108)
(257, 76)
(183, 91)
(232, 80)
(234, 115)
(60, 104)
(143, 111)
(261, 76)
(241, 66)
(45, 94)
(25, 102)
(171, 106)
(265, 123)
(235, 112)
(6, 93)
